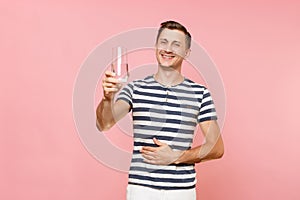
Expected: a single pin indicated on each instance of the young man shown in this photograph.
(166, 108)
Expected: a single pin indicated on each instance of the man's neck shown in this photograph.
(168, 77)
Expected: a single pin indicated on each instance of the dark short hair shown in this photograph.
(175, 26)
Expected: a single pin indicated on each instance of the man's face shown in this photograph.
(171, 48)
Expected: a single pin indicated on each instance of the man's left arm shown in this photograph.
(213, 148)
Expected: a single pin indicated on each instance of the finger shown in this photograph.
(148, 157)
(109, 73)
(109, 85)
(111, 80)
(149, 153)
(108, 90)
(151, 149)
(157, 142)
(150, 161)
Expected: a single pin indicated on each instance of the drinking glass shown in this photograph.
(119, 63)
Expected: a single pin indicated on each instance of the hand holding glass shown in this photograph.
(119, 63)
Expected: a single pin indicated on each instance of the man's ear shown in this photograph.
(187, 53)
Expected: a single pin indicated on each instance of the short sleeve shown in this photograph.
(207, 108)
(126, 94)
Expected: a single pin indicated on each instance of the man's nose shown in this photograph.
(168, 48)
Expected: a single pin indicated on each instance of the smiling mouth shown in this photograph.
(167, 57)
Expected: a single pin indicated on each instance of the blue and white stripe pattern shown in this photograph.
(169, 114)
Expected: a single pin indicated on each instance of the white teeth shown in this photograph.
(167, 56)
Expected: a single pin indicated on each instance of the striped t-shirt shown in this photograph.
(170, 114)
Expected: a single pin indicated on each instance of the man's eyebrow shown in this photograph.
(167, 40)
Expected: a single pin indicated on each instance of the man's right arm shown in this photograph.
(109, 112)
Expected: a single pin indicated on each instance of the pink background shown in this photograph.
(255, 46)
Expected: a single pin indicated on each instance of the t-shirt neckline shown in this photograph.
(168, 86)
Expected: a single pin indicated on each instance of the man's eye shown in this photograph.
(177, 45)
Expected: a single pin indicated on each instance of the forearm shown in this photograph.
(105, 115)
(204, 152)
(164, 155)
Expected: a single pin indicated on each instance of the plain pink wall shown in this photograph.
(255, 46)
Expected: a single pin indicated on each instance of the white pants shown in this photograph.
(136, 192)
